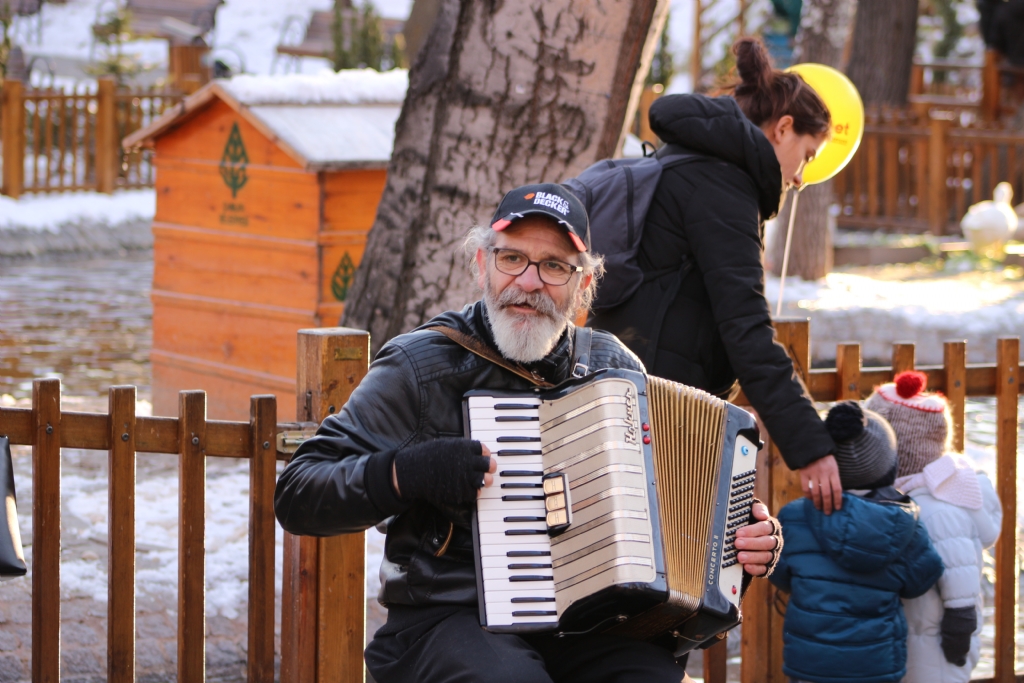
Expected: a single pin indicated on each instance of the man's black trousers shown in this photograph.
(446, 645)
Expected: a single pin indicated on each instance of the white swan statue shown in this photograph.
(989, 224)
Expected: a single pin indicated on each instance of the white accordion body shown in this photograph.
(614, 507)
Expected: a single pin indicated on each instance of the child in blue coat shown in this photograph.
(847, 571)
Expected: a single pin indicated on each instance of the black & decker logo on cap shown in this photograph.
(552, 201)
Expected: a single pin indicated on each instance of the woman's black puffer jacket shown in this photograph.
(704, 288)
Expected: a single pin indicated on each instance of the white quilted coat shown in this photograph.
(958, 534)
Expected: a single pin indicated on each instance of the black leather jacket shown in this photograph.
(340, 480)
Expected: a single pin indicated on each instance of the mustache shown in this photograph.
(539, 301)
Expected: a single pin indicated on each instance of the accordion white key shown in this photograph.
(614, 508)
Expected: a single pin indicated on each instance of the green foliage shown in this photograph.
(112, 33)
(952, 29)
(358, 37)
(663, 65)
(6, 19)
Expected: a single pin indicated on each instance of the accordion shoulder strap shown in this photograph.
(581, 352)
(476, 346)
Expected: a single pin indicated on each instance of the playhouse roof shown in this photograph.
(332, 120)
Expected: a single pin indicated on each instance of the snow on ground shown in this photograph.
(48, 212)
(928, 308)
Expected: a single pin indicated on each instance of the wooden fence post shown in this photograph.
(954, 365)
(13, 137)
(848, 371)
(762, 647)
(1007, 565)
(192, 536)
(121, 537)
(324, 603)
(937, 172)
(902, 357)
(108, 147)
(990, 86)
(262, 479)
(46, 516)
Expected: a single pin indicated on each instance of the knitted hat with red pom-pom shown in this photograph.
(920, 419)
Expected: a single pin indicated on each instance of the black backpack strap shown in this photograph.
(581, 351)
(659, 318)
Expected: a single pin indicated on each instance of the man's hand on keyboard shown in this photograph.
(442, 471)
(759, 542)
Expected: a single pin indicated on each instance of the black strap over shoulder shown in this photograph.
(581, 351)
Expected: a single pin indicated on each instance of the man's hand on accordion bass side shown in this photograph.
(757, 542)
(443, 471)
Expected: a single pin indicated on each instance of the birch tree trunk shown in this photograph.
(825, 27)
(502, 94)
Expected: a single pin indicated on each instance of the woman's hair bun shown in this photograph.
(753, 63)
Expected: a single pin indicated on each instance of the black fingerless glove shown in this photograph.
(958, 623)
(442, 471)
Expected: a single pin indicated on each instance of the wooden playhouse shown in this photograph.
(266, 188)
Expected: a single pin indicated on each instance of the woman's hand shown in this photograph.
(820, 482)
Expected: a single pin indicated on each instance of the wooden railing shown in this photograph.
(331, 363)
(323, 601)
(916, 174)
(956, 85)
(56, 140)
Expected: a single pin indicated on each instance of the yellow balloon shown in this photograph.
(847, 109)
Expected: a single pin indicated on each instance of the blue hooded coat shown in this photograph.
(846, 573)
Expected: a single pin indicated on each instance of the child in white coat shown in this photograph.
(962, 514)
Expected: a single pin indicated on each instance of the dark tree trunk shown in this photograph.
(825, 28)
(502, 94)
(884, 38)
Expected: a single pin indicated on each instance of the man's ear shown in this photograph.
(481, 268)
(584, 283)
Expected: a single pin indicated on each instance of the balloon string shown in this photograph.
(785, 253)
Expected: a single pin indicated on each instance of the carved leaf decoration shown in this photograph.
(342, 278)
(234, 161)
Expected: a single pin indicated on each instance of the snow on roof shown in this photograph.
(331, 120)
(334, 136)
(350, 86)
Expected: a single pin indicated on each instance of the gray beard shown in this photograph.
(525, 338)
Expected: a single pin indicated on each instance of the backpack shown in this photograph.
(617, 194)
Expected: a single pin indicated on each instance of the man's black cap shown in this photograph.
(547, 199)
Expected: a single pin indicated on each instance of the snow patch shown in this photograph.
(350, 86)
(48, 212)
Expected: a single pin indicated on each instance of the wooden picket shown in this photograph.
(62, 140)
(919, 174)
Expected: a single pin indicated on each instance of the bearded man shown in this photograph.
(396, 454)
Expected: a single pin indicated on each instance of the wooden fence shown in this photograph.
(323, 602)
(56, 141)
(915, 174)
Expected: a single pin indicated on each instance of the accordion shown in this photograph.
(614, 508)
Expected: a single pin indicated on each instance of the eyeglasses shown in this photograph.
(550, 271)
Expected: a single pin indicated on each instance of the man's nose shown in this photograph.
(529, 280)
(798, 180)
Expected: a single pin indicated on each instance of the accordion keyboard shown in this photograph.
(515, 550)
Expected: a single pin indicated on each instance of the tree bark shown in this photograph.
(884, 37)
(502, 94)
(825, 27)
